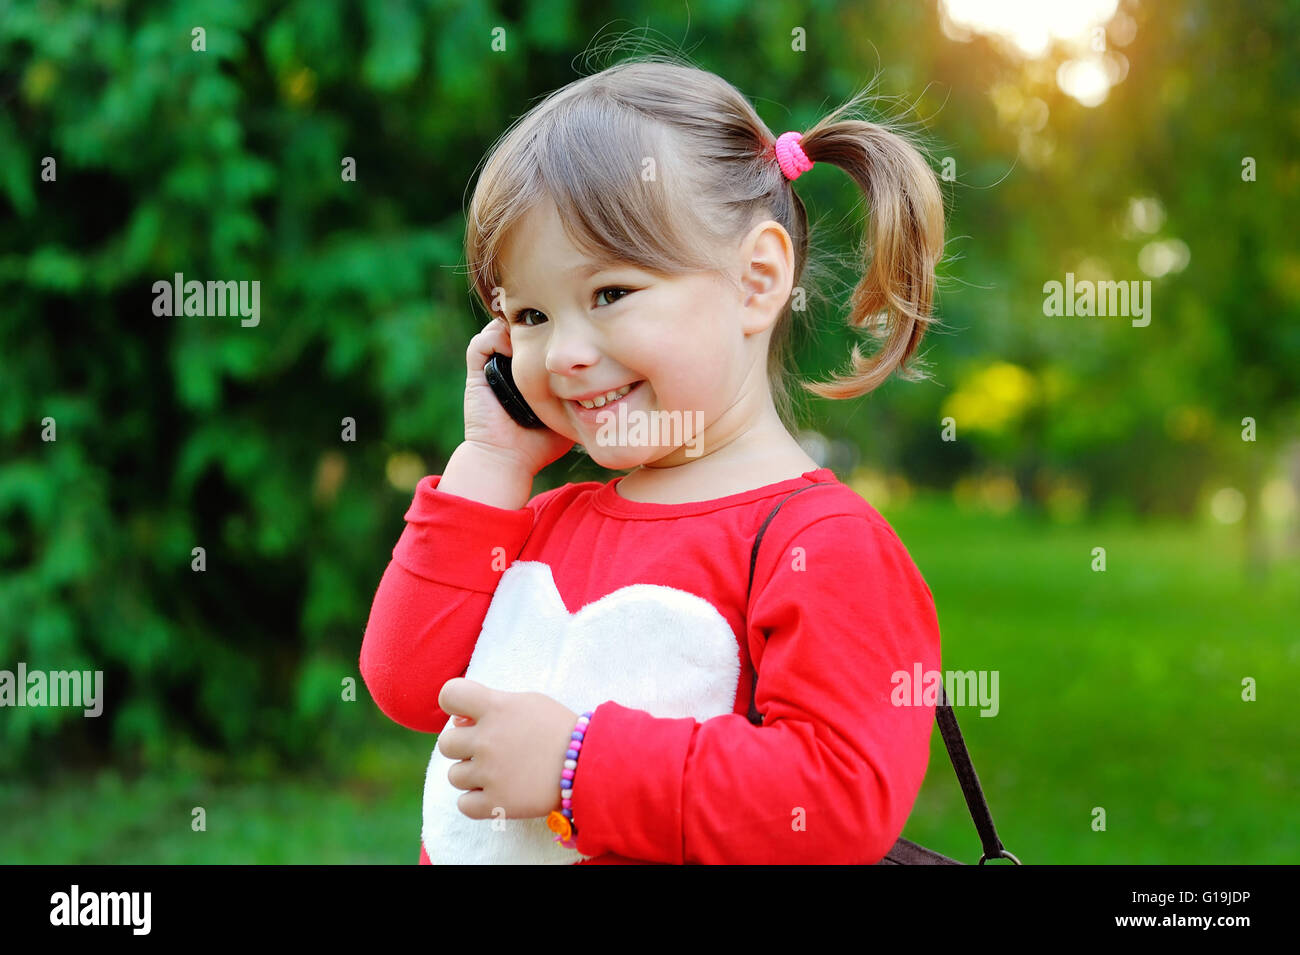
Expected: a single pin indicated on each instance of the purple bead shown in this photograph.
(567, 813)
(575, 735)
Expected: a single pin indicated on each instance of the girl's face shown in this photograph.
(690, 344)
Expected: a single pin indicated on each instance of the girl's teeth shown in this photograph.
(606, 398)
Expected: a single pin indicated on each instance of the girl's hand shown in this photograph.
(488, 424)
(516, 742)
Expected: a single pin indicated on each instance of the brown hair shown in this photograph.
(586, 145)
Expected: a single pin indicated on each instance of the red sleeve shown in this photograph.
(430, 604)
(832, 774)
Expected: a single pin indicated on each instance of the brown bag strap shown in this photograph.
(904, 852)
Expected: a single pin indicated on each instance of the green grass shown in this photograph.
(1119, 690)
(371, 817)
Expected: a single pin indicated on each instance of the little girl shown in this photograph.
(639, 237)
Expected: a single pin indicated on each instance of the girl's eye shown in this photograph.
(614, 288)
(521, 316)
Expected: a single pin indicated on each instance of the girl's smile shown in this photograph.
(588, 412)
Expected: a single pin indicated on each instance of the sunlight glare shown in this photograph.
(1030, 24)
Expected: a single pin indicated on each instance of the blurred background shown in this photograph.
(1109, 140)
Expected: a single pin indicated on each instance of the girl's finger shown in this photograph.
(492, 338)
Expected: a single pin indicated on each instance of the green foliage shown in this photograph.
(173, 433)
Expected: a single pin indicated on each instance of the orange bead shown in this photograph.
(559, 825)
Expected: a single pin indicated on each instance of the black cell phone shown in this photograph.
(503, 385)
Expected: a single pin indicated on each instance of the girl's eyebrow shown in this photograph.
(591, 268)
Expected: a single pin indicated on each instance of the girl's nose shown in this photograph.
(570, 351)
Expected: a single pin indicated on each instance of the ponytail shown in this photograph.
(893, 299)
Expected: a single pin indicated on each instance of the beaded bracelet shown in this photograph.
(560, 821)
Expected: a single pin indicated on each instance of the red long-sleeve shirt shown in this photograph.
(639, 612)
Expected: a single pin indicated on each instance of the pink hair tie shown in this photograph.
(793, 160)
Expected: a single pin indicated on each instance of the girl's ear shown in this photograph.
(766, 275)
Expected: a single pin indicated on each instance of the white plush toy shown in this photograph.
(644, 646)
